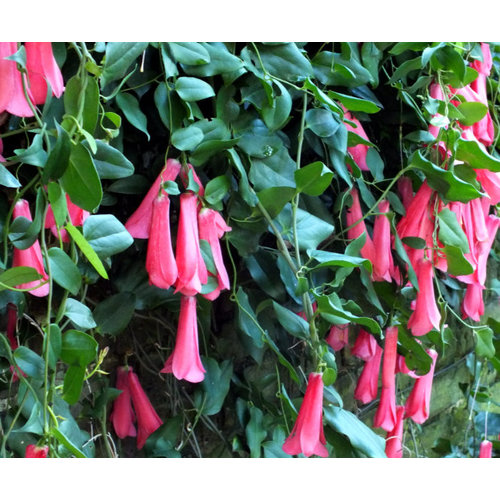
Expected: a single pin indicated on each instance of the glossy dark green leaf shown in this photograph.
(29, 362)
(78, 348)
(255, 431)
(7, 179)
(186, 139)
(114, 313)
(313, 179)
(17, 276)
(111, 163)
(73, 384)
(54, 339)
(81, 101)
(221, 62)
(129, 104)
(119, 56)
(276, 115)
(274, 199)
(484, 345)
(216, 189)
(458, 265)
(58, 159)
(191, 53)
(64, 271)
(450, 232)
(333, 259)
(354, 103)
(106, 235)
(80, 315)
(34, 154)
(476, 156)
(193, 89)
(472, 111)
(322, 122)
(214, 387)
(291, 322)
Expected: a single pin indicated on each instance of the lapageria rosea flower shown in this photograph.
(76, 214)
(147, 418)
(185, 362)
(307, 435)
(394, 438)
(30, 257)
(34, 451)
(123, 416)
(367, 386)
(485, 449)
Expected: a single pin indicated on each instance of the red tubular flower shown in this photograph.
(401, 367)
(42, 68)
(394, 439)
(307, 435)
(12, 98)
(367, 386)
(354, 216)
(385, 416)
(359, 151)
(123, 416)
(383, 264)
(185, 362)
(147, 418)
(34, 451)
(426, 315)
(160, 259)
(365, 345)
(405, 188)
(338, 336)
(139, 223)
(212, 227)
(30, 257)
(12, 325)
(419, 401)
(192, 272)
(77, 217)
(485, 449)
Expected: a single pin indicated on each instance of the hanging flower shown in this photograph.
(385, 415)
(160, 259)
(76, 214)
(34, 451)
(307, 435)
(367, 386)
(185, 362)
(338, 336)
(354, 215)
(418, 403)
(123, 416)
(485, 449)
(30, 257)
(147, 418)
(383, 265)
(359, 151)
(192, 271)
(139, 223)
(365, 345)
(394, 438)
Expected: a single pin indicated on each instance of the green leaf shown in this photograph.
(285, 61)
(29, 362)
(34, 154)
(255, 432)
(375, 164)
(7, 179)
(311, 230)
(119, 56)
(79, 314)
(114, 313)
(329, 376)
(130, 107)
(274, 199)
(221, 62)
(193, 89)
(291, 322)
(484, 346)
(333, 259)
(215, 386)
(111, 163)
(87, 250)
(78, 348)
(276, 115)
(216, 189)
(322, 122)
(354, 103)
(81, 181)
(191, 53)
(64, 271)
(17, 276)
(58, 159)
(472, 111)
(458, 265)
(186, 139)
(477, 157)
(450, 232)
(313, 179)
(73, 384)
(69, 445)
(81, 96)
(106, 235)
(55, 345)
(361, 437)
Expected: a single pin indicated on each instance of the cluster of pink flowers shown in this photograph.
(186, 269)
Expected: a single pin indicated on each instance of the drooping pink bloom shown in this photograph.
(354, 215)
(34, 451)
(418, 403)
(359, 151)
(12, 98)
(490, 182)
(211, 228)
(338, 336)
(485, 449)
(473, 304)
(76, 214)
(185, 362)
(401, 367)
(307, 435)
(30, 257)
(405, 188)
(42, 68)
(365, 345)
(191, 268)
(367, 386)
(394, 438)
(383, 264)
(139, 223)
(147, 418)
(385, 415)
(123, 416)
(160, 259)
(426, 315)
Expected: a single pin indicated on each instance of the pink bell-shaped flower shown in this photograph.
(485, 449)
(160, 259)
(338, 336)
(123, 416)
(418, 403)
(307, 435)
(365, 345)
(385, 415)
(34, 451)
(394, 439)
(30, 257)
(354, 215)
(139, 223)
(359, 151)
(185, 362)
(367, 386)
(383, 263)
(147, 418)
